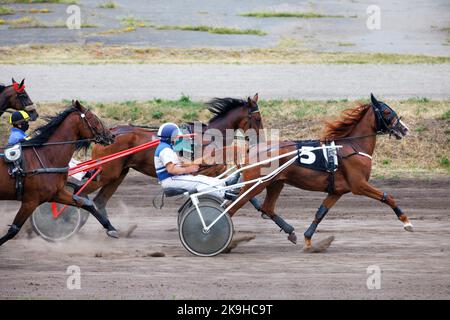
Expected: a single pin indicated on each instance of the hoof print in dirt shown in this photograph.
(156, 254)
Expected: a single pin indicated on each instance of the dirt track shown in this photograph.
(414, 265)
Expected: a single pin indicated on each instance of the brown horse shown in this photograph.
(356, 133)
(14, 97)
(45, 161)
(228, 113)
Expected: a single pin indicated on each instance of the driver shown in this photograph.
(19, 121)
(172, 173)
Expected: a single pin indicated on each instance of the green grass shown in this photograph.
(216, 30)
(33, 10)
(446, 116)
(346, 44)
(418, 100)
(445, 162)
(130, 23)
(421, 128)
(302, 15)
(94, 53)
(6, 11)
(28, 22)
(157, 114)
(107, 5)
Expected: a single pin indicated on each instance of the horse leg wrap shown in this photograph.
(398, 211)
(84, 201)
(283, 224)
(255, 203)
(320, 214)
(13, 230)
(384, 198)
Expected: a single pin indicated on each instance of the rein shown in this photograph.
(57, 143)
(33, 145)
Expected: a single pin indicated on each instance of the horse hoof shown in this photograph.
(265, 216)
(320, 246)
(113, 234)
(292, 238)
(408, 227)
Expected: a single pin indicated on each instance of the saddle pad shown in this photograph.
(13, 153)
(321, 159)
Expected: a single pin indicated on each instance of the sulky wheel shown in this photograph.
(202, 199)
(199, 242)
(60, 228)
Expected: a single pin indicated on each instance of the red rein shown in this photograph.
(17, 88)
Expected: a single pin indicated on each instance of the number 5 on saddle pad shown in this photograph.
(320, 159)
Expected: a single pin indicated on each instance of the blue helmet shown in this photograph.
(167, 131)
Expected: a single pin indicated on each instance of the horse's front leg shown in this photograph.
(365, 188)
(66, 197)
(26, 209)
(326, 205)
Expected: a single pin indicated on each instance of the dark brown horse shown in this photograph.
(45, 161)
(228, 113)
(356, 132)
(14, 97)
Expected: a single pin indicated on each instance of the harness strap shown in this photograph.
(48, 170)
(331, 187)
(357, 153)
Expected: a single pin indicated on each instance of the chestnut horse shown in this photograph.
(14, 97)
(228, 113)
(356, 132)
(45, 165)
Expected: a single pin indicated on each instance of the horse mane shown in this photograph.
(44, 132)
(344, 126)
(2, 87)
(219, 107)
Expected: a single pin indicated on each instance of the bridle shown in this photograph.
(251, 110)
(23, 98)
(97, 137)
(382, 123)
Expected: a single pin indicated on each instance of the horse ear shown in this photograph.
(255, 98)
(22, 83)
(76, 104)
(249, 101)
(374, 100)
(13, 81)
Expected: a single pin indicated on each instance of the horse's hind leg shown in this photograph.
(326, 205)
(107, 191)
(370, 191)
(24, 213)
(65, 197)
(268, 208)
